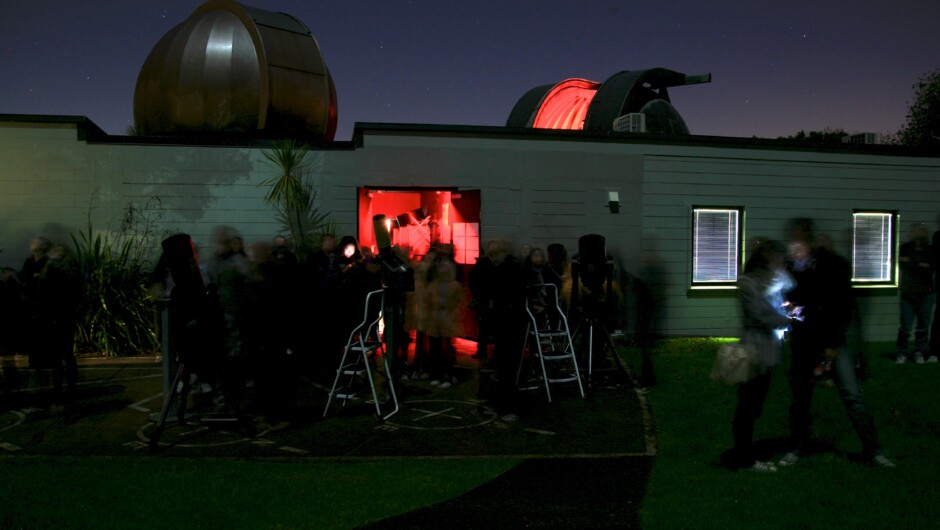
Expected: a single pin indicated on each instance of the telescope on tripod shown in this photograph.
(196, 325)
(592, 300)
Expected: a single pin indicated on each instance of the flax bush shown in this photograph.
(117, 314)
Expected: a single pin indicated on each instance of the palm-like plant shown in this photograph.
(293, 196)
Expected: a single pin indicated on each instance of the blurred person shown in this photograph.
(648, 291)
(760, 291)
(60, 291)
(283, 277)
(238, 247)
(256, 301)
(318, 261)
(227, 270)
(915, 293)
(11, 311)
(935, 323)
(855, 338)
(351, 280)
(480, 280)
(445, 251)
(283, 281)
(524, 250)
(227, 275)
(421, 363)
(29, 279)
(270, 332)
(557, 256)
(442, 324)
(318, 276)
(35, 262)
(508, 312)
(541, 300)
(818, 344)
(196, 329)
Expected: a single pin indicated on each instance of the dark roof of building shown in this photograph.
(87, 130)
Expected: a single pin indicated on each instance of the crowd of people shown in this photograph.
(281, 318)
(275, 317)
(39, 307)
(805, 291)
(284, 317)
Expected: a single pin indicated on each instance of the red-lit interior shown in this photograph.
(565, 105)
(421, 218)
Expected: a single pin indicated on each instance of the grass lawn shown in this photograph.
(830, 489)
(153, 492)
(688, 488)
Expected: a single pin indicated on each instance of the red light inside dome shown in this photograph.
(565, 105)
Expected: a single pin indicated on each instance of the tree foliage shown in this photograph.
(825, 136)
(922, 128)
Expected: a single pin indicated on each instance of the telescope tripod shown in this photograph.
(179, 390)
(596, 331)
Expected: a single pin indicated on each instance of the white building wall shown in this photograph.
(53, 184)
(534, 191)
(774, 187)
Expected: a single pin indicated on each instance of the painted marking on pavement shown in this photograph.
(20, 418)
(429, 414)
(293, 450)
(540, 431)
(441, 414)
(182, 433)
(137, 406)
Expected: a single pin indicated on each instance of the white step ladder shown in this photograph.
(361, 348)
(548, 339)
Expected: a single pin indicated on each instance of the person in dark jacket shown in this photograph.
(480, 282)
(818, 345)
(11, 311)
(60, 290)
(916, 294)
(29, 278)
(508, 313)
(935, 323)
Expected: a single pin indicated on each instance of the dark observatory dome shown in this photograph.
(579, 104)
(233, 69)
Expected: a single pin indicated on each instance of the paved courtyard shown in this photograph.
(601, 447)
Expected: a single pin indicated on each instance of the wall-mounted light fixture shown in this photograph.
(613, 201)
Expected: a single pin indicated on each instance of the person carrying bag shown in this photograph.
(749, 363)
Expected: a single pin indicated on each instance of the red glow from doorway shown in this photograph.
(421, 219)
(565, 105)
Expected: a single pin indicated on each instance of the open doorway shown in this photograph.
(418, 218)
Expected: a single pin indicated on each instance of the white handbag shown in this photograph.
(734, 364)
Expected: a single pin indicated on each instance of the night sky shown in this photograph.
(797, 65)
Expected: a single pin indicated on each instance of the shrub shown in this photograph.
(117, 315)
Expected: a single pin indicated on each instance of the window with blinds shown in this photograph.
(716, 245)
(873, 243)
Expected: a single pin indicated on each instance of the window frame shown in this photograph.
(727, 283)
(891, 251)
